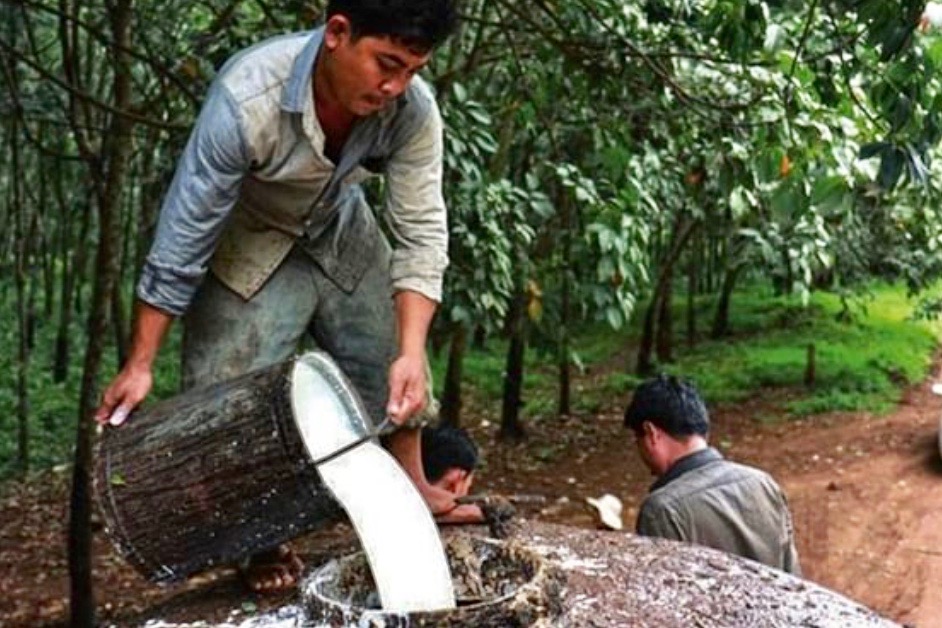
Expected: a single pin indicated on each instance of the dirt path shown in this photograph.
(869, 515)
(866, 494)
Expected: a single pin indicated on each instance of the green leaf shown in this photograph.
(249, 607)
(117, 479)
(828, 192)
(890, 169)
(614, 317)
(902, 112)
(868, 151)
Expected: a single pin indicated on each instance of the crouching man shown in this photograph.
(700, 497)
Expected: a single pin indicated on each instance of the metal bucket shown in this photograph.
(221, 472)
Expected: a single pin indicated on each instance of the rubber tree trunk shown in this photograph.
(564, 401)
(684, 229)
(664, 341)
(70, 257)
(645, 365)
(21, 254)
(511, 427)
(451, 393)
(811, 368)
(721, 326)
(81, 271)
(692, 290)
(153, 184)
(564, 364)
(32, 284)
(119, 322)
(46, 243)
(788, 280)
(108, 173)
(21, 216)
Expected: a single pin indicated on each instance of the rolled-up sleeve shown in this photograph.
(203, 192)
(416, 213)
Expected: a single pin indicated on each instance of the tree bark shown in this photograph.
(119, 322)
(564, 364)
(684, 228)
(664, 342)
(721, 319)
(692, 288)
(451, 394)
(811, 367)
(510, 425)
(21, 254)
(22, 218)
(69, 258)
(645, 365)
(109, 169)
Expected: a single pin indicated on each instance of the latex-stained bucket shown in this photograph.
(221, 472)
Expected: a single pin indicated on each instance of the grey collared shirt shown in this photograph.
(731, 507)
(253, 179)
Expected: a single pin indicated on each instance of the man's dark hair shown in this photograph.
(446, 447)
(420, 24)
(673, 405)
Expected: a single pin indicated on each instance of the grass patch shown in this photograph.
(861, 365)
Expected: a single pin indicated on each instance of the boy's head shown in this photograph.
(449, 457)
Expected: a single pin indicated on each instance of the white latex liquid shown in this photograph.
(395, 527)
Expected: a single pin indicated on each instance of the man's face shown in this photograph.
(368, 73)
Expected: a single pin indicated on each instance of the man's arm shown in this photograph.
(657, 519)
(408, 384)
(204, 191)
(415, 211)
(136, 377)
(417, 221)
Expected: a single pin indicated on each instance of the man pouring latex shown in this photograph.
(265, 235)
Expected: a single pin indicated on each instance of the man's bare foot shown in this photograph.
(273, 571)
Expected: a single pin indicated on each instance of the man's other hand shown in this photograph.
(124, 394)
(408, 388)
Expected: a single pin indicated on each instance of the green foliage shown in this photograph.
(861, 364)
(799, 138)
(53, 408)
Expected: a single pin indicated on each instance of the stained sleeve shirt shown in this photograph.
(254, 165)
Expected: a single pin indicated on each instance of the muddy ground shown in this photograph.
(865, 491)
